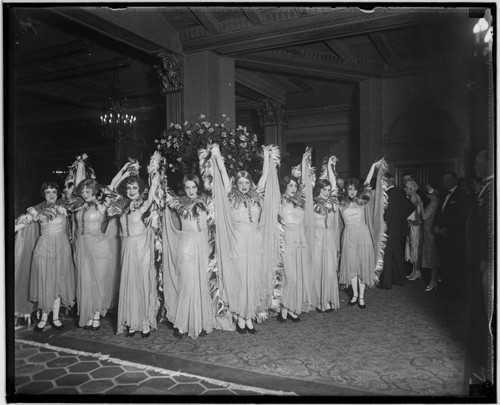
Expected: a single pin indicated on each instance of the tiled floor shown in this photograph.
(40, 370)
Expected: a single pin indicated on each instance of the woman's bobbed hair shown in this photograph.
(49, 184)
(286, 180)
(88, 183)
(321, 183)
(134, 179)
(353, 183)
(191, 177)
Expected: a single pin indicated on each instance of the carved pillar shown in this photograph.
(170, 73)
(272, 117)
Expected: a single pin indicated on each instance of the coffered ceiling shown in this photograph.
(69, 56)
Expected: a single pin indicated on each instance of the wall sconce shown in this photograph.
(483, 31)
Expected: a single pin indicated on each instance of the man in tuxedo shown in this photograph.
(449, 226)
(396, 216)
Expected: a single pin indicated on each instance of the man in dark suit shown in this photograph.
(396, 216)
(449, 227)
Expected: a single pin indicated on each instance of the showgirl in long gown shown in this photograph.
(248, 240)
(187, 265)
(363, 238)
(430, 254)
(138, 301)
(48, 257)
(324, 276)
(296, 203)
(96, 253)
(413, 251)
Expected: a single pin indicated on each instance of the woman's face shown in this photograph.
(325, 192)
(352, 192)
(291, 188)
(408, 190)
(243, 185)
(133, 192)
(191, 189)
(50, 195)
(88, 194)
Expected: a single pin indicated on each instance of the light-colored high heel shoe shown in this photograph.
(431, 287)
(416, 276)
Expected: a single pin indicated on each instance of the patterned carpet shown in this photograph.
(406, 343)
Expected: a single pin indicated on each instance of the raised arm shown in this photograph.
(372, 170)
(151, 195)
(265, 169)
(220, 164)
(306, 164)
(331, 173)
(120, 176)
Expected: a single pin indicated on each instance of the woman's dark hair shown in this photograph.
(285, 181)
(321, 183)
(134, 179)
(353, 183)
(49, 184)
(88, 183)
(191, 177)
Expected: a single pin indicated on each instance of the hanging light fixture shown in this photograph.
(116, 122)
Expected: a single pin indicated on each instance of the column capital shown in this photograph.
(272, 112)
(170, 72)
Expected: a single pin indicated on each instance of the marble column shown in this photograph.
(209, 87)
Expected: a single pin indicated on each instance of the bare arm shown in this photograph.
(265, 170)
(372, 170)
(151, 194)
(331, 173)
(120, 176)
(222, 168)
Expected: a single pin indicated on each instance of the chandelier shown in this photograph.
(116, 122)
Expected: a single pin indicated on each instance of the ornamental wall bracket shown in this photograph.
(271, 113)
(170, 73)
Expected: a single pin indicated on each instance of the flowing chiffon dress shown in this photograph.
(188, 267)
(358, 255)
(247, 245)
(324, 270)
(138, 301)
(364, 235)
(44, 268)
(296, 259)
(52, 269)
(97, 262)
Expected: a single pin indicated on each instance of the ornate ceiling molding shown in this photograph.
(335, 23)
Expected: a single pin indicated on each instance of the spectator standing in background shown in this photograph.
(450, 230)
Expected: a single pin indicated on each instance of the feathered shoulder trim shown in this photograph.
(253, 197)
(189, 208)
(298, 200)
(44, 212)
(322, 206)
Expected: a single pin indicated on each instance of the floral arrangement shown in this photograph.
(179, 144)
